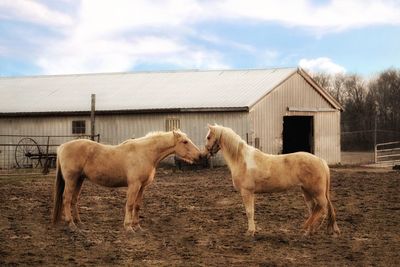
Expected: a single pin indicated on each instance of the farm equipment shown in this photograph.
(30, 154)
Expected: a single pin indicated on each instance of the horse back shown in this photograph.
(279, 172)
(74, 154)
(102, 164)
(306, 168)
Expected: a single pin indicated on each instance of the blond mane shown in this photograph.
(155, 133)
(230, 139)
(148, 135)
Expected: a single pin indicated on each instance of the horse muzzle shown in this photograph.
(185, 159)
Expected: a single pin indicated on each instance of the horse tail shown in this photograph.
(58, 193)
(332, 225)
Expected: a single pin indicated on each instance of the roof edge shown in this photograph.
(324, 93)
(122, 112)
(137, 72)
(276, 86)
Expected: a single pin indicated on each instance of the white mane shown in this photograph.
(230, 139)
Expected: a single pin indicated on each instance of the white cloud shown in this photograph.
(113, 36)
(337, 15)
(118, 35)
(104, 55)
(33, 12)
(321, 64)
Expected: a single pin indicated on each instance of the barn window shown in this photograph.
(78, 127)
(172, 124)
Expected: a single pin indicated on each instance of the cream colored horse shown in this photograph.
(132, 163)
(256, 172)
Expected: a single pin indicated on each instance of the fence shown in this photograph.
(365, 140)
(387, 153)
(32, 153)
(359, 147)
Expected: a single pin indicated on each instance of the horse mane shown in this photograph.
(127, 140)
(230, 139)
(150, 134)
(155, 133)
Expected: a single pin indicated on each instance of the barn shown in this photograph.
(278, 110)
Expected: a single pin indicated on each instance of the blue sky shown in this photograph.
(40, 37)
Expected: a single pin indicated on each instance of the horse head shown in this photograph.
(213, 137)
(185, 149)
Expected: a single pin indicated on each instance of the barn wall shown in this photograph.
(266, 118)
(114, 129)
(117, 128)
(38, 126)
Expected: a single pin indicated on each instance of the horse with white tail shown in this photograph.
(256, 172)
(130, 164)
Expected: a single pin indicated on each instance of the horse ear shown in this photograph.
(210, 126)
(176, 133)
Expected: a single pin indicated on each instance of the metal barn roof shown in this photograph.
(151, 91)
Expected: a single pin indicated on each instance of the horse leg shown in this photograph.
(248, 201)
(75, 200)
(131, 195)
(319, 212)
(308, 198)
(309, 201)
(332, 227)
(138, 204)
(70, 185)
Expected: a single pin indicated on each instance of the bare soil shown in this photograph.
(195, 218)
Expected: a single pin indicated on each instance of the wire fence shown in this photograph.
(365, 140)
(358, 147)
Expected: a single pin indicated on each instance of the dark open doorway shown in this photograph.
(298, 134)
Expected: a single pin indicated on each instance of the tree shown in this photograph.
(334, 84)
(385, 90)
(364, 102)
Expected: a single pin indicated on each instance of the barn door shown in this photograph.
(298, 134)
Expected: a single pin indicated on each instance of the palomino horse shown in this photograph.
(256, 172)
(132, 163)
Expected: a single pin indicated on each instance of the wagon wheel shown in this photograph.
(27, 153)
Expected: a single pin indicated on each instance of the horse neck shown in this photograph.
(231, 154)
(159, 147)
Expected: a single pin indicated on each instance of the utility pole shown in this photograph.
(92, 117)
(375, 130)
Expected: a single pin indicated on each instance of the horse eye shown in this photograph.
(208, 138)
(185, 142)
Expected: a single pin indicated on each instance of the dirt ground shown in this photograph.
(195, 218)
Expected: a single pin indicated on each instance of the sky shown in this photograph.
(47, 37)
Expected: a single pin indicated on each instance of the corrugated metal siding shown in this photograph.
(117, 128)
(41, 127)
(266, 118)
(327, 136)
(114, 129)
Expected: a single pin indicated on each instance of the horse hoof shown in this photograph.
(138, 228)
(129, 230)
(308, 233)
(250, 233)
(72, 227)
(336, 233)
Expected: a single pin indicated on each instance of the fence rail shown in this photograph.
(387, 153)
(32, 153)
